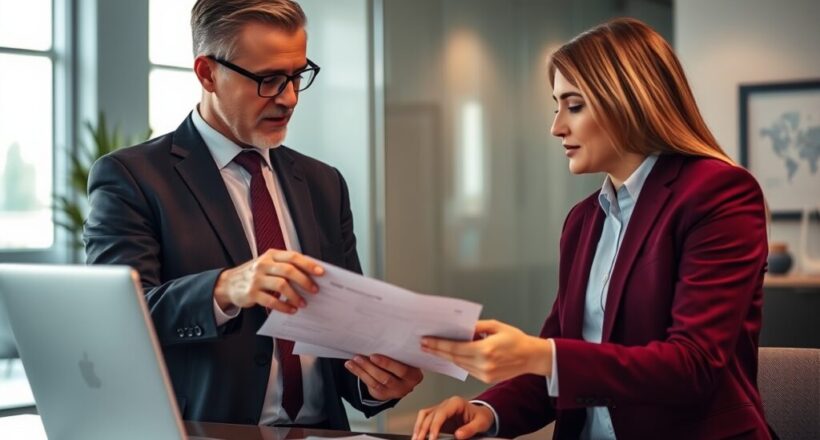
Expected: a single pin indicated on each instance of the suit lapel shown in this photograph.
(200, 174)
(653, 198)
(579, 274)
(297, 193)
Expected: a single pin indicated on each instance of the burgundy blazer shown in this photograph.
(678, 357)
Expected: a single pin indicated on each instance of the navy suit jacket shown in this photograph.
(162, 207)
(678, 357)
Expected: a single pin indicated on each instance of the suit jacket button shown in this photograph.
(189, 331)
(181, 333)
(197, 330)
(262, 359)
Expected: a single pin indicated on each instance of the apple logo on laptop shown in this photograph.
(87, 371)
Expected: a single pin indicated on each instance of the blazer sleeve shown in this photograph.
(720, 268)
(122, 229)
(523, 404)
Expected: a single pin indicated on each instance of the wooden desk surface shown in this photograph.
(797, 280)
(252, 432)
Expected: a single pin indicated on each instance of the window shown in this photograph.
(172, 87)
(26, 124)
(27, 136)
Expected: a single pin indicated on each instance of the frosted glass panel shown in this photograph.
(332, 121)
(172, 95)
(476, 187)
(25, 152)
(25, 24)
(169, 32)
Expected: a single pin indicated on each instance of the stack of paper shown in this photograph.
(353, 314)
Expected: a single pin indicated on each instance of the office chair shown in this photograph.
(789, 384)
(8, 348)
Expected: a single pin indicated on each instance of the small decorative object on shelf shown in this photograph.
(808, 264)
(780, 261)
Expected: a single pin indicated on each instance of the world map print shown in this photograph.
(795, 139)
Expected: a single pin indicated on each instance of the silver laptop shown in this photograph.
(90, 352)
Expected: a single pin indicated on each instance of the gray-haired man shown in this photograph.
(217, 217)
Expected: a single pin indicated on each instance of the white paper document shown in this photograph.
(353, 314)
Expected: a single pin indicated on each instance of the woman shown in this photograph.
(655, 327)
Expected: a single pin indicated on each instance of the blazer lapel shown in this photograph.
(573, 318)
(650, 203)
(198, 170)
(296, 190)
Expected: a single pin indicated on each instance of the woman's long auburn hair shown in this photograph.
(636, 89)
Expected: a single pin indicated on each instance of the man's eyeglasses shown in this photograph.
(270, 86)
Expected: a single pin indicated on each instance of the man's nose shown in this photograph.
(289, 96)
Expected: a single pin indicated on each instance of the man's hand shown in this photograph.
(503, 352)
(454, 414)
(384, 377)
(268, 281)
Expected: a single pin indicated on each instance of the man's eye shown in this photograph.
(272, 80)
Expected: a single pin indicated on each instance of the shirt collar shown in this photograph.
(222, 149)
(632, 185)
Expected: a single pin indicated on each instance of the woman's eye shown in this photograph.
(575, 108)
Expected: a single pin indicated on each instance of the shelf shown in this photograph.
(798, 280)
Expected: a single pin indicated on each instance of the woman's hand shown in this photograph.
(454, 414)
(503, 352)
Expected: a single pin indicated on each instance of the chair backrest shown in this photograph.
(8, 348)
(789, 384)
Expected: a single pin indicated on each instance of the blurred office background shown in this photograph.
(436, 111)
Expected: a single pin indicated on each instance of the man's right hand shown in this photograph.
(268, 281)
(454, 414)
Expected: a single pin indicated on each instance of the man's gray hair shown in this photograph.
(215, 24)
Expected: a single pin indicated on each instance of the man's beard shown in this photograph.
(269, 143)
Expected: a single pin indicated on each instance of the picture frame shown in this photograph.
(780, 143)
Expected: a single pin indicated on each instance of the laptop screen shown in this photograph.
(90, 352)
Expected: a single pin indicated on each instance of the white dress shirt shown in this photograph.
(237, 181)
(618, 207)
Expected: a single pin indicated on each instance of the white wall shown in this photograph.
(725, 43)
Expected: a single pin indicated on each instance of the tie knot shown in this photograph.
(250, 161)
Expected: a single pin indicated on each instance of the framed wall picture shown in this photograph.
(780, 143)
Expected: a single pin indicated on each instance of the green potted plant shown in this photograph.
(71, 206)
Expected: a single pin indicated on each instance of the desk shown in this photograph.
(30, 427)
(253, 432)
(799, 281)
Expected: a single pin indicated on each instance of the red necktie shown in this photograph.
(269, 236)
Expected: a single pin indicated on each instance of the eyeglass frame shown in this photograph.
(259, 79)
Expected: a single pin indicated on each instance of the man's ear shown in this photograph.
(205, 68)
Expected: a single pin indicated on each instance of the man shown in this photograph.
(217, 217)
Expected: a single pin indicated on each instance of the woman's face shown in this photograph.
(586, 144)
